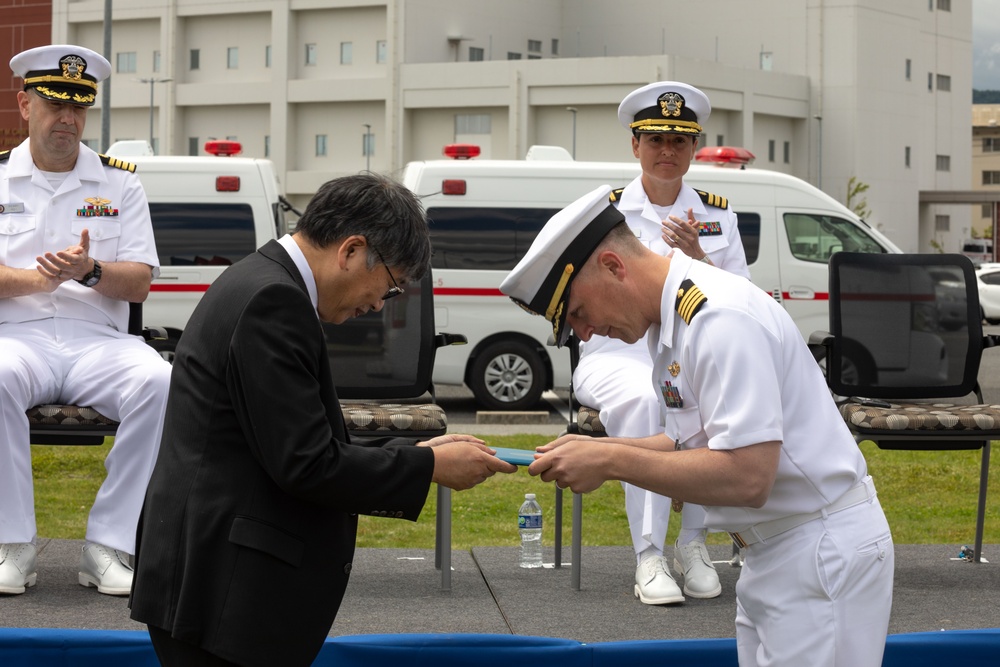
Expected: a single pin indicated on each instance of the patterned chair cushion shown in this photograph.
(922, 417)
(67, 415)
(588, 421)
(395, 418)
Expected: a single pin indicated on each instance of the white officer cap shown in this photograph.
(62, 72)
(541, 280)
(665, 106)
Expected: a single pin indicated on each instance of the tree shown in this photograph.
(855, 202)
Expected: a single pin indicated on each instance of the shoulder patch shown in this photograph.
(116, 163)
(713, 200)
(4, 155)
(689, 301)
(616, 195)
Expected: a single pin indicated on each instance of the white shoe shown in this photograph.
(106, 568)
(17, 567)
(653, 583)
(692, 562)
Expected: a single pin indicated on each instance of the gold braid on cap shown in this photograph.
(657, 125)
(48, 78)
(557, 293)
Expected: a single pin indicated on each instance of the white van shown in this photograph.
(207, 212)
(485, 213)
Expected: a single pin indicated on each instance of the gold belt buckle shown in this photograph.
(738, 540)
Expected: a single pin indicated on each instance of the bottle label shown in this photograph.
(529, 521)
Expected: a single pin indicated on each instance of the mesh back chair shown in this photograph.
(903, 352)
(58, 424)
(382, 363)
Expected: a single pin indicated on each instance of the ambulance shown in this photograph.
(484, 215)
(208, 212)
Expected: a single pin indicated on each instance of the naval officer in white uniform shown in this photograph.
(749, 430)
(76, 246)
(665, 120)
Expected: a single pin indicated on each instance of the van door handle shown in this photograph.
(798, 292)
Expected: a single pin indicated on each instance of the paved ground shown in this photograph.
(399, 591)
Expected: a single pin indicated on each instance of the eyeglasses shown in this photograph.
(395, 290)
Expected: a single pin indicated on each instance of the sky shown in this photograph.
(986, 44)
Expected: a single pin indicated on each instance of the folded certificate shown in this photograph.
(519, 457)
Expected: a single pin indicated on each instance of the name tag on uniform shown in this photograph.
(13, 207)
(709, 229)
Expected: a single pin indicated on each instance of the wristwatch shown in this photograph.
(93, 277)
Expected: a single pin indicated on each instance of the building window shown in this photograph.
(930, 81)
(942, 223)
(267, 56)
(986, 211)
(787, 152)
(475, 53)
(368, 144)
(770, 150)
(943, 163)
(535, 45)
(195, 63)
(513, 56)
(909, 68)
(472, 123)
(233, 57)
(346, 53)
(381, 52)
(126, 61)
(906, 157)
(943, 82)
(156, 146)
(320, 145)
(944, 5)
(192, 145)
(555, 47)
(156, 61)
(991, 178)
(267, 145)
(310, 54)
(720, 140)
(991, 144)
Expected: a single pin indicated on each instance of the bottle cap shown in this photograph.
(529, 496)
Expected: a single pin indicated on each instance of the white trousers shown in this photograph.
(80, 363)
(818, 595)
(620, 386)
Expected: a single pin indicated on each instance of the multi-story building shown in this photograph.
(877, 90)
(985, 165)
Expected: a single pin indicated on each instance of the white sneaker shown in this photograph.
(106, 568)
(17, 567)
(653, 583)
(692, 562)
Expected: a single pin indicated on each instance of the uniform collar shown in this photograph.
(88, 165)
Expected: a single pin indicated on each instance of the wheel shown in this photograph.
(166, 348)
(508, 375)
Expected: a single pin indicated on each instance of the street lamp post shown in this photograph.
(152, 81)
(368, 148)
(572, 110)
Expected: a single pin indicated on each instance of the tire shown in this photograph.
(166, 348)
(508, 375)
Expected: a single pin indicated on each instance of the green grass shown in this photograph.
(929, 498)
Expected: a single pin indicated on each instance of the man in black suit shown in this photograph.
(249, 522)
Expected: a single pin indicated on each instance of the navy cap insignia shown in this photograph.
(73, 66)
(671, 104)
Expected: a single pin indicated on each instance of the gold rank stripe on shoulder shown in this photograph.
(116, 163)
(689, 301)
(713, 200)
(4, 155)
(616, 195)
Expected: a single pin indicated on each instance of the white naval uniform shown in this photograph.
(610, 375)
(818, 594)
(71, 345)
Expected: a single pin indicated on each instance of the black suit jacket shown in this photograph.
(249, 523)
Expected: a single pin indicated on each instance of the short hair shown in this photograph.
(622, 240)
(384, 211)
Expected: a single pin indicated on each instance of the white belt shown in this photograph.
(761, 532)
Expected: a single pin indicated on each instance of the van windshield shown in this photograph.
(813, 238)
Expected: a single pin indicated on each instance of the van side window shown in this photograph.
(202, 234)
(813, 238)
(487, 239)
(749, 226)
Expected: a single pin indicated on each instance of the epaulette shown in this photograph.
(116, 163)
(689, 301)
(713, 200)
(616, 195)
(4, 155)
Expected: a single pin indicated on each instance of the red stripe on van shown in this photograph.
(467, 291)
(160, 287)
(817, 296)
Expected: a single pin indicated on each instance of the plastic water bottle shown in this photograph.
(529, 523)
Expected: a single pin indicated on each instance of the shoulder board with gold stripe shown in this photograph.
(713, 200)
(616, 195)
(4, 155)
(116, 163)
(689, 301)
